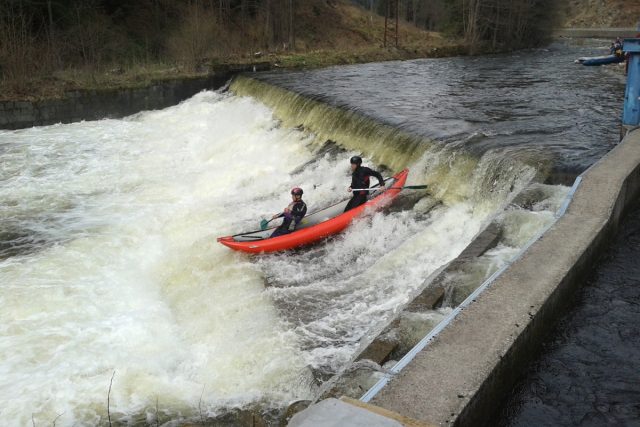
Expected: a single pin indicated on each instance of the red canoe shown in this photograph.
(317, 225)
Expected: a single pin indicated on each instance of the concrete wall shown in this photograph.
(97, 104)
(461, 377)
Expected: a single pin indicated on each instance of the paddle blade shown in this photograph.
(263, 224)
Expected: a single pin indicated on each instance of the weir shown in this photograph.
(152, 239)
(458, 372)
(387, 145)
(452, 174)
(450, 285)
(411, 268)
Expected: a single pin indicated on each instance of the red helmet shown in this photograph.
(296, 191)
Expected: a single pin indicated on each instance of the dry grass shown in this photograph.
(62, 81)
(346, 27)
(602, 14)
(328, 32)
(323, 58)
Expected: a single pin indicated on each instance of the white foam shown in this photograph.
(125, 274)
(132, 279)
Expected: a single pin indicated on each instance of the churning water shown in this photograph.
(110, 264)
(108, 259)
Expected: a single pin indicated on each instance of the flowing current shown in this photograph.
(113, 288)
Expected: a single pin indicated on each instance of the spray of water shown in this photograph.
(117, 269)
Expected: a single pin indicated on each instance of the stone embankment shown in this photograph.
(94, 104)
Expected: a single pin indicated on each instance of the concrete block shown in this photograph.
(405, 421)
(378, 351)
(335, 413)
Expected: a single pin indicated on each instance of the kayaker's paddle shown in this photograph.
(264, 222)
(406, 187)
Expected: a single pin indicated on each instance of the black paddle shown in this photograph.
(406, 187)
(264, 222)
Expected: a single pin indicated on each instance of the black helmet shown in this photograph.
(296, 191)
(356, 160)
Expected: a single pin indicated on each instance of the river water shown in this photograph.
(526, 104)
(112, 284)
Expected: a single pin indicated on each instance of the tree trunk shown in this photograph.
(267, 23)
(292, 34)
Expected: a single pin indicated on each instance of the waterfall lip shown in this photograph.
(154, 231)
(388, 143)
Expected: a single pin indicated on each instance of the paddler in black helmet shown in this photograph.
(359, 180)
(293, 213)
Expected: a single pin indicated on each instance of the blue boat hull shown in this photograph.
(600, 60)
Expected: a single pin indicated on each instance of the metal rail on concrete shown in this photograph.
(424, 342)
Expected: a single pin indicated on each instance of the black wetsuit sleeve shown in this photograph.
(378, 175)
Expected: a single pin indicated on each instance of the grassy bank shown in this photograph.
(60, 82)
(327, 33)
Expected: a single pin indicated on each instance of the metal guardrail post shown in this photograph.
(631, 112)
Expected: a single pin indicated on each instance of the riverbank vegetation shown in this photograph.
(602, 14)
(49, 46)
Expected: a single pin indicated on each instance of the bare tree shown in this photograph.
(17, 44)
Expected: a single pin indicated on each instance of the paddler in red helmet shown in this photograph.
(293, 213)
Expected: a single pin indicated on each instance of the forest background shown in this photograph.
(49, 46)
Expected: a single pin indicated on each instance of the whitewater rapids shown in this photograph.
(109, 265)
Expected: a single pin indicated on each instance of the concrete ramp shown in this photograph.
(353, 413)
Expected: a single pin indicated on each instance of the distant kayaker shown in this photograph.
(360, 179)
(293, 214)
(612, 49)
(616, 48)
